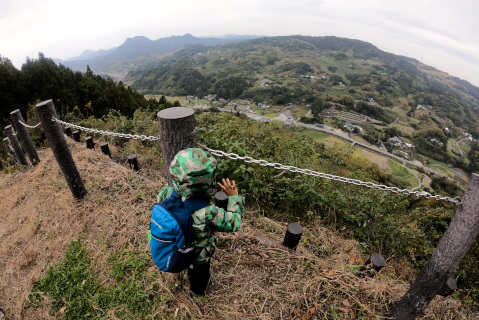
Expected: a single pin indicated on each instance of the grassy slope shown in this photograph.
(40, 220)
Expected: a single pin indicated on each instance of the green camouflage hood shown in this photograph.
(193, 172)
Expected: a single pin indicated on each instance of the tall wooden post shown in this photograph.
(24, 136)
(56, 139)
(177, 127)
(452, 248)
(16, 146)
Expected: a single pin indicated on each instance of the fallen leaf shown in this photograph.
(346, 303)
(343, 310)
(83, 282)
(62, 310)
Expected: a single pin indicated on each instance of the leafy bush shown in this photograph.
(381, 221)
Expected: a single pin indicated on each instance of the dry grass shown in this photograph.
(381, 161)
(253, 281)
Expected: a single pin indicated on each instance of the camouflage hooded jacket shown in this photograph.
(193, 174)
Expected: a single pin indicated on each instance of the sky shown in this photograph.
(439, 33)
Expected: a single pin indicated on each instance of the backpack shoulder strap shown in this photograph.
(191, 204)
(196, 203)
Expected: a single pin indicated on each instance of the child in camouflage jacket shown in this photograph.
(193, 173)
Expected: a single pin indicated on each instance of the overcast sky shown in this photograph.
(440, 33)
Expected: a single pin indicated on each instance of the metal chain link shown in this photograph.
(279, 166)
(275, 165)
(27, 126)
(108, 133)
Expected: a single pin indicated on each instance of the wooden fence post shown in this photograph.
(24, 136)
(177, 127)
(133, 162)
(373, 265)
(76, 135)
(221, 200)
(56, 139)
(7, 146)
(452, 248)
(16, 146)
(293, 235)
(89, 142)
(105, 149)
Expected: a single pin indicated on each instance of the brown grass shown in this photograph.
(253, 281)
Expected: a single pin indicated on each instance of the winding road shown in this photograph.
(345, 137)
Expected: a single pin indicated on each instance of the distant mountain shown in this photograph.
(139, 52)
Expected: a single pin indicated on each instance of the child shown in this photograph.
(193, 173)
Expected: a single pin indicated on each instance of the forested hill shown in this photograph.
(312, 70)
(41, 79)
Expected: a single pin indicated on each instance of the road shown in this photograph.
(344, 136)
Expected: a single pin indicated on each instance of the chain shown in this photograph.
(27, 126)
(275, 165)
(108, 133)
(279, 166)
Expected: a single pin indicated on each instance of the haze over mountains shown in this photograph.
(138, 52)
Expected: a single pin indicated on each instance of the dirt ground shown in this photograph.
(255, 280)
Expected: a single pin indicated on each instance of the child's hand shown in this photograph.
(228, 188)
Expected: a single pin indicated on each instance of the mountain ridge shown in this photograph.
(138, 51)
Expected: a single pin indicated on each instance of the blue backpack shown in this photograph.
(171, 232)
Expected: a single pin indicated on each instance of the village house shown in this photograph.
(399, 143)
(400, 153)
(286, 113)
(437, 141)
(421, 107)
(350, 127)
(468, 136)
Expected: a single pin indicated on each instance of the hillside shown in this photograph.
(307, 70)
(325, 76)
(137, 52)
(67, 259)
